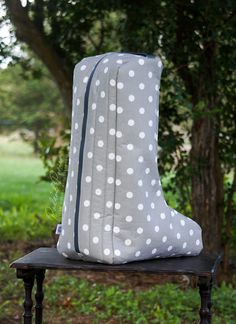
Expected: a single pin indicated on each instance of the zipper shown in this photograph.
(81, 154)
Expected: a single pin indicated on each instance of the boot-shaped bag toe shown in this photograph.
(114, 209)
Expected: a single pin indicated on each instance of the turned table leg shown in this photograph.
(28, 279)
(39, 295)
(205, 284)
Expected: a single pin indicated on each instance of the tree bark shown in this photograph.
(207, 183)
(30, 33)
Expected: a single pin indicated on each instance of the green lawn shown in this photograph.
(25, 201)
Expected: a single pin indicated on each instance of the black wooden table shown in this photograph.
(32, 267)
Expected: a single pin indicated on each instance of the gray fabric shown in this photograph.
(123, 215)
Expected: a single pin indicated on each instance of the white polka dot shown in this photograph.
(129, 219)
(130, 171)
(130, 147)
(86, 203)
(197, 242)
(150, 75)
(152, 205)
(140, 206)
(128, 242)
(141, 135)
(109, 204)
(94, 106)
(118, 182)
(91, 130)
(140, 183)
(131, 73)
(160, 64)
(147, 170)
(69, 221)
(83, 67)
(141, 86)
(101, 119)
(112, 131)
(98, 191)
(97, 82)
(100, 143)
(75, 89)
(105, 60)
(62, 232)
(88, 179)
(140, 230)
(74, 150)
(129, 194)
(76, 126)
(140, 159)
(119, 110)
(99, 167)
(131, 98)
(71, 198)
(141, 110)
(170, 248)
(120, 85)
(150, 123)
(117, 252)
(112, 107)
(164, 239)
(116, 229)
(178, 236)
(102, 94)
(85, 227)
(72, 174)
(158, 193)
(110, 180)
(137, 254)
(163, 215)
(157, 87)
(69, 245)
(131, 122)
(157, 228)
(117, 206)
(119, 61)
(111, 156)
(96, 215)
(105, 70)
(141, 61)
(107, 228)
(118, 158)
(153, 182)
(150, 99)
(90, 155)
(148, 218)
(86, 251)
(154, 251)
(119, 134)
(77, 102)
(171, 226)
(112, 82)
(85, 79)
(148, 241)
(150, 147)
(106, 251)
(182, 222)
(184, 245)
(95, 240)
(172, 213)
(191, 232)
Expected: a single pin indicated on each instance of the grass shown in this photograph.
(24, 200)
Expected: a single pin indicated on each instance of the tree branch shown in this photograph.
(28, 32)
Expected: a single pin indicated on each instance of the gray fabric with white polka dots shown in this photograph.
(122, 215)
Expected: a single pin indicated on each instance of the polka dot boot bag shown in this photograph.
(114, 209)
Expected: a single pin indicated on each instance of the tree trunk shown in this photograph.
(207, 182)
(29, 32)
